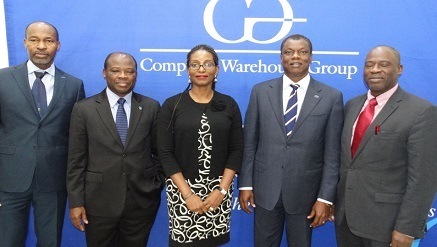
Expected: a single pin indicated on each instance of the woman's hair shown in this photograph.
(205, 48)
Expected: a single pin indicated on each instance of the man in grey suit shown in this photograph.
(388, 179)
(291, 176)
(34, 139)
(114, 182)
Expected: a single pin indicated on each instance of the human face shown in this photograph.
(381, 70)
(41, 44)
(296, 59)
(204, 76)
(120, 74)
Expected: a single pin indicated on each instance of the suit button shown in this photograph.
(39, 126)
(287, 147)
(351, 168)
(123, 175)
(124, 155)
(35, 147)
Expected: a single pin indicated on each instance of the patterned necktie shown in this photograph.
(291, 112)
(39, 93)
(363, 123)
(121, 120)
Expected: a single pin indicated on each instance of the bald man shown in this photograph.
(34, 122)
(387, 179)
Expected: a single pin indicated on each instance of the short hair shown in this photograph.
(105, 64)
(45, 23)
(392, 49)
(205, 48)
(298, 37)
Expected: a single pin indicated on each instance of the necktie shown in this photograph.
(39, 93)
(290, 114)
(121, 121)
(363, 123)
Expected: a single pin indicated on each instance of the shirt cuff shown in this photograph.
(245, 188)
(322, 200)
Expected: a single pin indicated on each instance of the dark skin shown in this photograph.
(382, 69)
(296, 59)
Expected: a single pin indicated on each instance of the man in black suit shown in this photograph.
(34, 139)
(113, 180)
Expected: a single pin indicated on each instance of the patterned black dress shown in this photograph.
(204, 128)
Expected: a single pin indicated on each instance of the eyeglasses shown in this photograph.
(205, 66)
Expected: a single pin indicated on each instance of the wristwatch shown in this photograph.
(223, 191)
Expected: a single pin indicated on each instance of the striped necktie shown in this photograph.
(291, 112)
(39, 93)
(121, 121)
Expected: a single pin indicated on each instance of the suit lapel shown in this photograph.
(350, 120)
(21, 77)
(391, 105)
(60, 81)
(312, 98)
(104, 110)
(275, 97)
(135, 115)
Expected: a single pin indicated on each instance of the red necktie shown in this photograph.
(363, 123)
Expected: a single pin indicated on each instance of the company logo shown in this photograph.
(249, 24)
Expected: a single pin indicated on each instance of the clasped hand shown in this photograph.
(212, 201)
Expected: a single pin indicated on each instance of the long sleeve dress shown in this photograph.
(199, 140)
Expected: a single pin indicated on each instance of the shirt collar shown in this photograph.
(31, 68)
(303, 83)
(113, 98)
(383, 98)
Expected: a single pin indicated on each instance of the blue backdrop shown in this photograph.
(247, 35)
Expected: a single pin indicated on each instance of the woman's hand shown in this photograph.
(194, 204)
(213, 201)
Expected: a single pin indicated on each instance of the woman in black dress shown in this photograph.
(200, 146)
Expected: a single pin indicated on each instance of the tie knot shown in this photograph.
(373, 102)
(40, 75)
(121, 101)
(294, 87)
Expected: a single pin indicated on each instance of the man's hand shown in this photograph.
(77, 216)
(320, 213)
(400, 240)
(246, 199)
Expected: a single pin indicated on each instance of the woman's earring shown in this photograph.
(215, 78)
(189, 79)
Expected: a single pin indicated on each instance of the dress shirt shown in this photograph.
(48, 79)
(113, 98)
(301, 91)
(381, 99)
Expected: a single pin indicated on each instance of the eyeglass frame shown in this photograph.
(205, 66)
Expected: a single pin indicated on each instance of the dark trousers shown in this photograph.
(345, 237)
(130, 229)
(269, 226)
(48, 209)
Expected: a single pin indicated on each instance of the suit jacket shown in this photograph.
(31, 146)
(390, 183)
(100, 169)
(301, 167)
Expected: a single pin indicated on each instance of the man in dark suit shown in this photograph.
(388, 179)
(290, 176)
(114, 183)
(34, 139)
